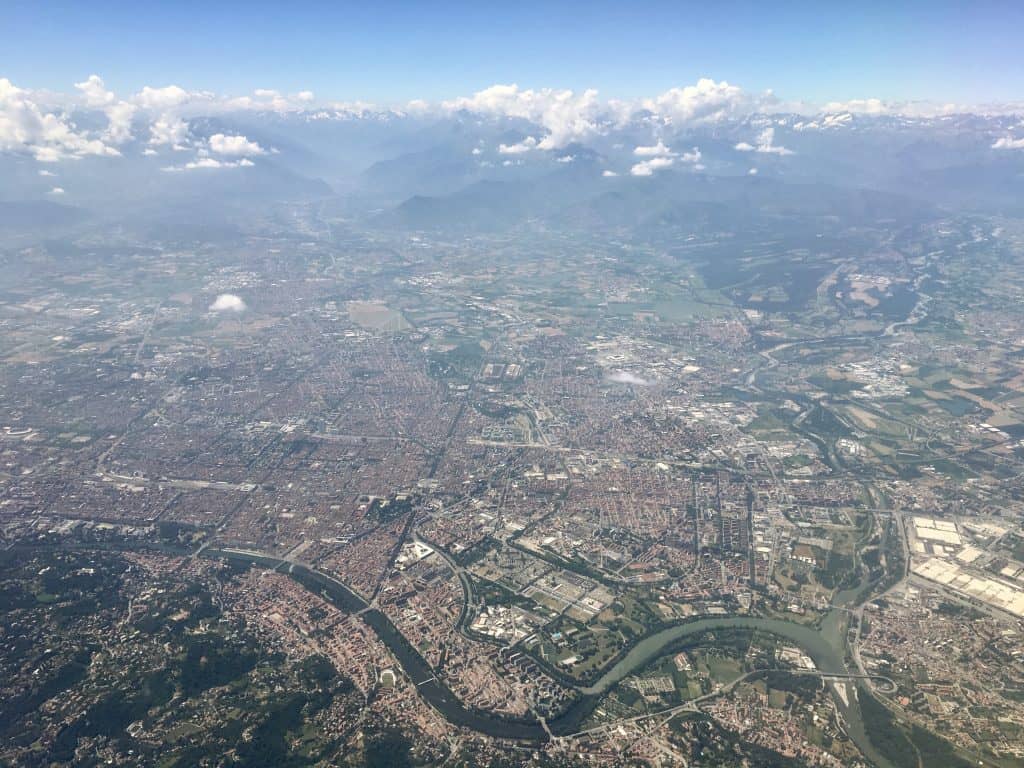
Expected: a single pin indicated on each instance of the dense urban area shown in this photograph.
(328, 496)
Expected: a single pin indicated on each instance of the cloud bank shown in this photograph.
(47, 136)
(566, 115)
(43, 126)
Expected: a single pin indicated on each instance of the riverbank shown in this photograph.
(824, 646)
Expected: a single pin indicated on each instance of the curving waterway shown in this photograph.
(825, 646)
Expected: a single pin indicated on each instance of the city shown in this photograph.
(678, 424)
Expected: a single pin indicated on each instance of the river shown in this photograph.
(825, 646)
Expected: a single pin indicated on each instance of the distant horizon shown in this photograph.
(94, 120)
(937, 52)
(73, 94)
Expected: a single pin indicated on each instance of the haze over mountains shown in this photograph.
(692, 158)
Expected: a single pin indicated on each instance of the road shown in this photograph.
(693, 704)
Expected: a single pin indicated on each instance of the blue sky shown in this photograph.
(390, 52)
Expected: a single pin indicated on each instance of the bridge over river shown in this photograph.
(825, 647)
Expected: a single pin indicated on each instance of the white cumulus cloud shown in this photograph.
(692, 157)
(57, 191)
(657, 150)
(47, 136)
(765, 144)
(228, 302)
(1008, 142)
(526, 145)
(566, 115)
(119, 113)
(648, 167)
(922, 109)
(660, 156)
(625, 377)
(168, 130)
(169, 107)
(705, 101)
(234, 146)
(119, 121)
(162, 99)
(209, 163)
(95, 92)
(175, 100)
